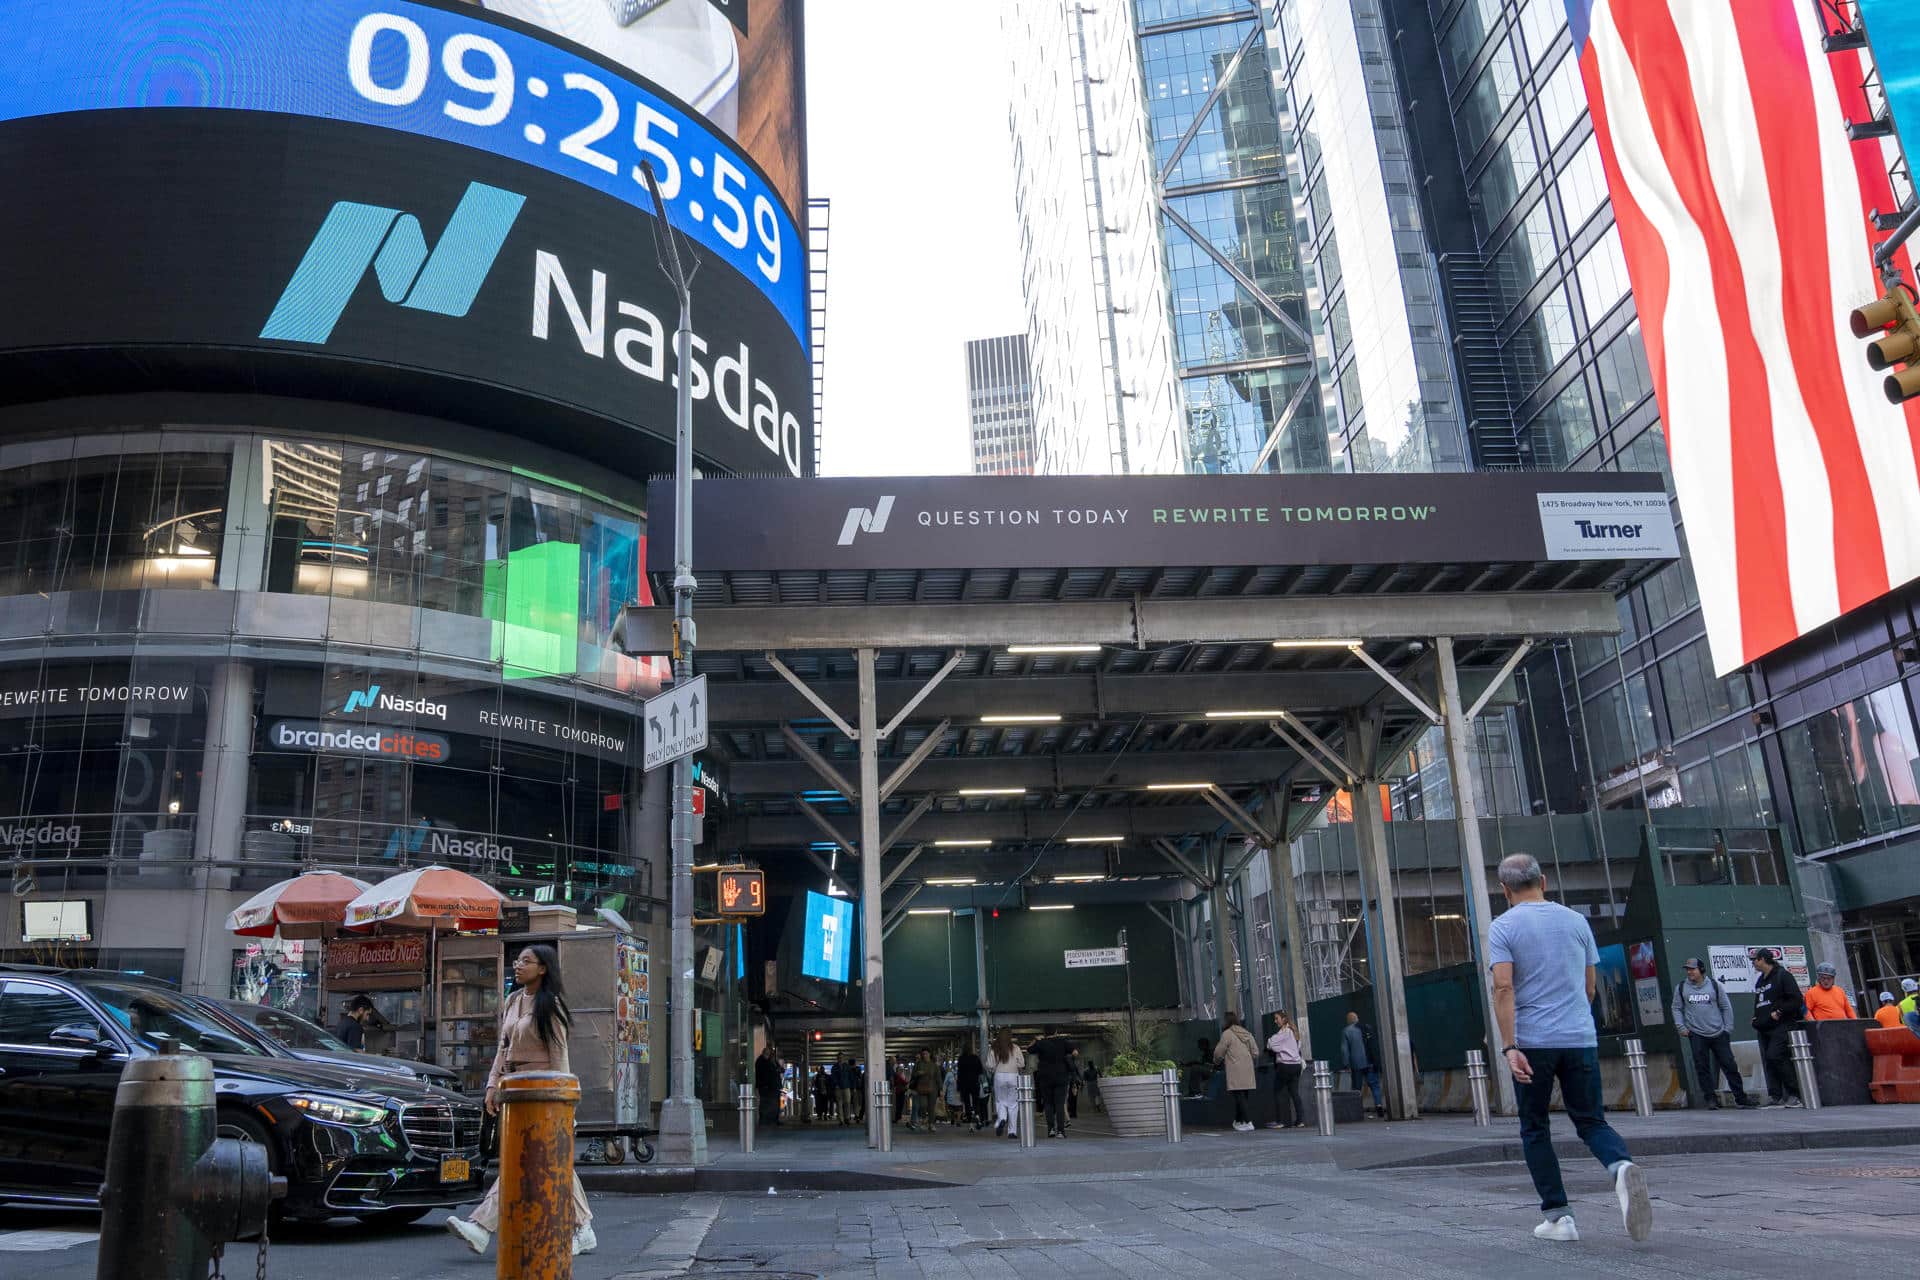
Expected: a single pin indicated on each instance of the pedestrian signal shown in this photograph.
(741, 893)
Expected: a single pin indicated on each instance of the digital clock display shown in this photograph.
(453, 73)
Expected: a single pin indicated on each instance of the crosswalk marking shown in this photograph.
(43, 1241)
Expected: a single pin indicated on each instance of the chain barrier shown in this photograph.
(214, 1271)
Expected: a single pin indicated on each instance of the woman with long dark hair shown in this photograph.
(1005, 1061)
(533, 1037)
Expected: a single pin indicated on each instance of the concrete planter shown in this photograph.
(1135, 1107)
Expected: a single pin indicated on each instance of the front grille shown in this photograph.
(437, 1128)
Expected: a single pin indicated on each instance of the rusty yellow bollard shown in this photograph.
(536, 1176)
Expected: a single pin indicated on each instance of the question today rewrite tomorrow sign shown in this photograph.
(1012, 522)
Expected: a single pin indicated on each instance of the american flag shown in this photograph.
(1742, 209)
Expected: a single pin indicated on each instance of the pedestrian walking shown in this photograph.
(1888, 1014)
(1543, 957)
(968, 1076)
(1237, 1052)
(897, 1076)
(1825, 1001)
(1778, 1007)
(920, 1086)
(1052, 1073)
(1284, 1045)
(766, 1083)
(533, 1037)
(1006, 1062)
(1361, 1049)
(950, 1094)
(845, 1081)
(1090, 1078)
(1704, 1016)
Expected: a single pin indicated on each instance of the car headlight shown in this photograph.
(320, 1106)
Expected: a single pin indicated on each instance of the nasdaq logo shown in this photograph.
(361, 698)
(355, 237)
(866, 520)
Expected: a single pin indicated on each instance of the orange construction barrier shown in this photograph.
(1896, 1064)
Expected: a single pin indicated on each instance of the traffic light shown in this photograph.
(741, 892)
(1893, 317)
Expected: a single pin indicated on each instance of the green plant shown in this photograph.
(1132, 1062)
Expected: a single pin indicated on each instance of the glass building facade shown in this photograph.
(228, 653)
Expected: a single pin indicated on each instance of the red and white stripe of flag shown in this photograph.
(1742, 212)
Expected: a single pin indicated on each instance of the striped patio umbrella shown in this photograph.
(428, 897)
(308, 906)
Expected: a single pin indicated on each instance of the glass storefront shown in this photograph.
(230, 655)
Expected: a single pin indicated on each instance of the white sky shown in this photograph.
(907, 135)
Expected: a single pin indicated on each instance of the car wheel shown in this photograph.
(396, 1217)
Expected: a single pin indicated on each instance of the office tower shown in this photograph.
(1101, 343)
(1000, 406)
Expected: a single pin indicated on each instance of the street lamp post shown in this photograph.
(683, 1122)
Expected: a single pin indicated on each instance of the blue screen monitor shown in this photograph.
(829, 940)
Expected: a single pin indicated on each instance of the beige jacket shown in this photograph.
(521, 1048)
(1237, 1049)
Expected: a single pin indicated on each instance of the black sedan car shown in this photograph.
(350, 1142)
(314, 1043)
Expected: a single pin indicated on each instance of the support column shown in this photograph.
(985, 1005)
(1377, 888)
(1223, 952)
(1473, 867)
(220, 823)
(1287, 926)
(872, 922)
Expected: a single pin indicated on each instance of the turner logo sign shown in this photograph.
(358, 237)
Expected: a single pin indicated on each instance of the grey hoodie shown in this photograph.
(1702, 1007)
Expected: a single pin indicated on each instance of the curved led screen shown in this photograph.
(275, 180)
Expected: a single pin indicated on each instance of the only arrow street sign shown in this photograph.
(676, 723)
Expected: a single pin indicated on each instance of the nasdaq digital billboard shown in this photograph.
(392, 190)
(1893, 32)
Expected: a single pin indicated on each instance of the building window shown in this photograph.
(1541, 22)
(1562, 99)
(1625, 379)
(1508, 171)
(1603, 276)
(1854, 771)
(1694, 697)
(1583, 186)
(1564, 429)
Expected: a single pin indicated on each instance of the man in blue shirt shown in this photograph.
(1543, 957)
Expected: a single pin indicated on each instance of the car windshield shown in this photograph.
(147, 1012)
(294, 1032)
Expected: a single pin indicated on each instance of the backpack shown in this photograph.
(1372, 1043)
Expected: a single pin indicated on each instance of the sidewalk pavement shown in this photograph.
(826, 1157)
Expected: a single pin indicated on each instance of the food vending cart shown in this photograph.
(609, 993)
(391, 971)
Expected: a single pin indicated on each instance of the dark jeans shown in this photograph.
(1776, 1057)
(1710, 1052)
(1286, 1087)
(1053, 1093)
(1370, 1077)
(1240, 1097)
(976, 1105)
(1578, 1071)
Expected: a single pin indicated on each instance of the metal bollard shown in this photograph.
(1170, 1100)
(536, 1175)
(1323, 1096)
(1026, 1110)
(1802, 1050)
(881, 1109)
(1637, 1073)
(173, 1191)
(744, 1101)
(1477, 1086)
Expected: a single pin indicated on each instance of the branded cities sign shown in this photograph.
(675, 724)
(1012, 522)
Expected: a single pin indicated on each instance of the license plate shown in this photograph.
(455, 1169)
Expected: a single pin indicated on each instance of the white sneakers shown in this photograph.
(475, 1235)
(1636, 1207)
(1243, 1126)
(478, 1237)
